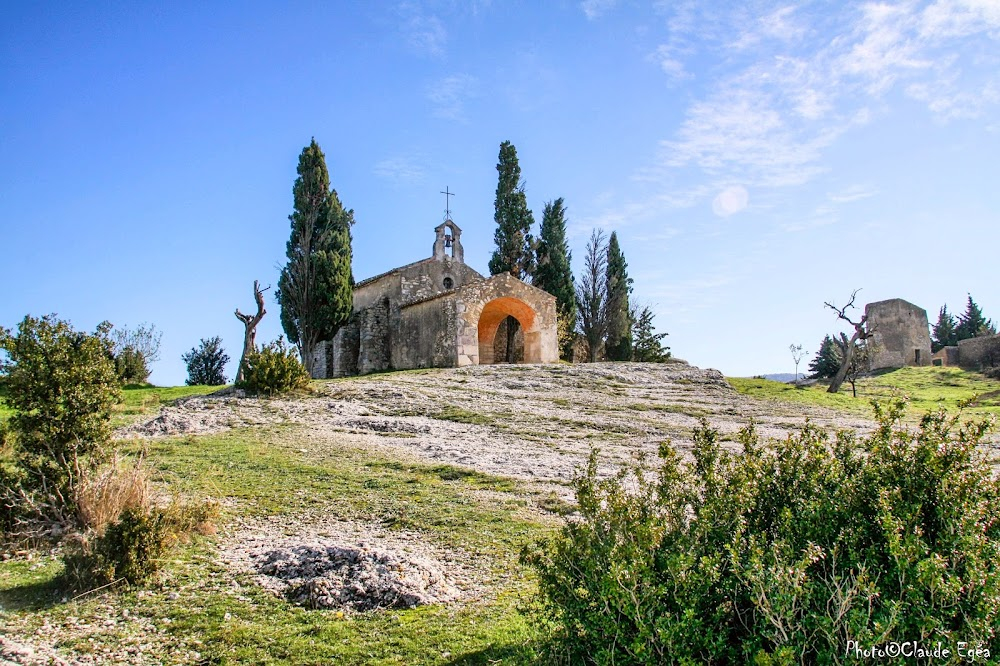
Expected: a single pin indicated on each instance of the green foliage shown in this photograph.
(647, 345)
(130, 550)
(62, 386)
(514, 251)
(553, 272)
(943, 333)
(315, 288)
(972, 323)
(206, 364)
(592, 295)
(274, 369)
(782, 552)
(130, 366)
(827, 360)
(619, 286)
(133, 351)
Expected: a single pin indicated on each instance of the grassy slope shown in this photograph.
(927, 388)
(136, 400)
(262, 474)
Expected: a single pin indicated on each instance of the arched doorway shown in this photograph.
(494, 313)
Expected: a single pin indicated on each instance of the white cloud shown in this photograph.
(730, 201)
(594, 9)
(424, 33)
(448, 95)
(852, 193)
(399, 169)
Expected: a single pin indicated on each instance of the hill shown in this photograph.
(441, 476)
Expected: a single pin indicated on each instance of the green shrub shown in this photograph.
(61, 385)
(131, 367)
(781, 552)
(274, 369)
(132, 548)
(129, 550)
(206, 363)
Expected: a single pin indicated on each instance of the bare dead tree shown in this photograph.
(861, 332)
(250, 325)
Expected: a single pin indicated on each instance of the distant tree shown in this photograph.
(827, 360)
(647, 345)
(553, 272)
(943, 333)
(591, 295)
(250, 329)
(972, 323)
(619, 287)
(797, 355)
(206, 363)
(133, 351)
(315, 288)
(62, 385)
(861, 332)
(514, 251)
(861, 359)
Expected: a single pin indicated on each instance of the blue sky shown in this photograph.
(755, 158)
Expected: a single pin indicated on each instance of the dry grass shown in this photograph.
(122, 483)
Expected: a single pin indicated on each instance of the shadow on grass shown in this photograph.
(39, 595)
(502, 654)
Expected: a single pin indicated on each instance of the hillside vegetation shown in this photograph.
(927, 388)
(462, 468)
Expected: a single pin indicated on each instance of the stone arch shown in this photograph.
(494, 312)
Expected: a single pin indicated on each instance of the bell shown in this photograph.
(447, 241)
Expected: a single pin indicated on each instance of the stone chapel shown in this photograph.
(438, 313)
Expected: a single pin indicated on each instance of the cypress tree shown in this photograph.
(514, 252)
(943, 333)
(827, 360)
(619, 285)
(552, 268)
(315, 288)
(972, 323)
(591, 294)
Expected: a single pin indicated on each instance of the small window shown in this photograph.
(916, 356)
(448, 283)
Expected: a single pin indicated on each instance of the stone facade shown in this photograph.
(979, 353)
(902, 336)
(437, 312)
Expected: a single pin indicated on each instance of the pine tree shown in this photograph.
(647, 346)
(943, 333)
(591, 295)
(827, 360)
(619, 285)
(515, 247)
(206, 363)
(315, 288)
(972, 323)
(552, 268)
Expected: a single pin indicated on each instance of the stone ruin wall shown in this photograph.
(901, 334)
(979, 353)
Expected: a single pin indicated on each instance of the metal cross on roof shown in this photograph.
(447, 202)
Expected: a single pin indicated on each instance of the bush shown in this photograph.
(62, 386)
(129, 549)
(133, 350)
(782, 552)
(274, 369)
(130, 366)
(206, 363)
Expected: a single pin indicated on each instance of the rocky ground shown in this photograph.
(528, 422)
